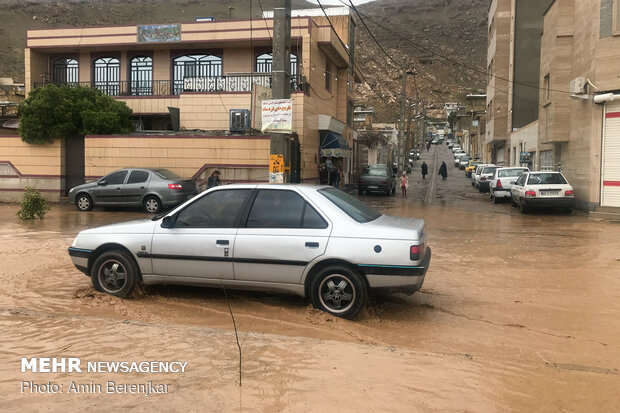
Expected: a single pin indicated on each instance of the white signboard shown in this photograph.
(259, 95)
(277, 115)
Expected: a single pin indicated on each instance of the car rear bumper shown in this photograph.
(80, 257)
(375, 188)
(549, 202)
(501, 193)
(397, 278)
(483, 184)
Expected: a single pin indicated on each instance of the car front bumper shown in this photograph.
(80, 257)
(397, 278)
(549, 202)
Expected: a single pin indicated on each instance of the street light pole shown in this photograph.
(401, 135)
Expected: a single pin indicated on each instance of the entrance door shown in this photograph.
(74, 163)
(610, 166)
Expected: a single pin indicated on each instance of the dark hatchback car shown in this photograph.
(377, 178)
(153, 189)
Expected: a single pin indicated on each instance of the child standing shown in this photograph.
(403, 184)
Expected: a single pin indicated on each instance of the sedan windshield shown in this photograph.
(375, 172)
(506, 173)
(353, 207)
(166, 174)
(546, 179)
(489, 169)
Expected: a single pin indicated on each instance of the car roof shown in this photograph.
(544, 172)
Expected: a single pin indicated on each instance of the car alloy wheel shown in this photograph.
(115, 273)
(152, 205)
(340, 291)
(83, 202)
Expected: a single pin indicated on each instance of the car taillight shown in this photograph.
(483, 178)
(498, 185)
(530, 193)
(177, 187)
(416, 252)
(384, 182)
(361, 181)
(569, 192)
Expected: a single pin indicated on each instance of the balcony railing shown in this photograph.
(212, 84)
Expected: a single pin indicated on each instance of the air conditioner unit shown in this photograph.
(578, 86)
(239, 120)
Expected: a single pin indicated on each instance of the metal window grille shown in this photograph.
(264, 63)
(65, 71)
(199, 68)
(107, 75)
(141, 80)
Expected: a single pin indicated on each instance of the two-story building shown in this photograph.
(204, 79)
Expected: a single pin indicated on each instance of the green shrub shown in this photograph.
(33, 205)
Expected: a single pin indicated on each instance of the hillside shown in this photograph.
(455, 29)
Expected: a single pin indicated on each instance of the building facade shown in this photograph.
(195, 77)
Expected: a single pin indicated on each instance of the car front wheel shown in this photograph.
(339, 291)
(114, 273)
(152, 204)
(84, 202)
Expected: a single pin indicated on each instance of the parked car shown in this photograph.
(471, 166)
(476, 173)
(500, 185)
(485, 176)
(456, 149)
(377, 178)
(464, 161)
(542, 189)
(457, 158)
(314, 241)
(153, 189)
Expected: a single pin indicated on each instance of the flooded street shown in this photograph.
(517, 312)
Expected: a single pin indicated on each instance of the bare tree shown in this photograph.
(372, 139)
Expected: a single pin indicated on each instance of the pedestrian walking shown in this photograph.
(424, 170)
(403, 184)
(337, 176)
(428, 147)
(443, 171)
(213, 180)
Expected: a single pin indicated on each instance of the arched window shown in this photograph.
(107, 75)
(64, 71)
(264, 63)
(141, 76)
(197, 72)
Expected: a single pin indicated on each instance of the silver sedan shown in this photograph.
(307, 240)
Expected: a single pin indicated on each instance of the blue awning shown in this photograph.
(333, 140)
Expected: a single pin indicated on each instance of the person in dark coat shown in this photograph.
(443, 171)
(424, 170)
(214, 179)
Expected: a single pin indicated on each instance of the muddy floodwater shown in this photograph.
(518, 313)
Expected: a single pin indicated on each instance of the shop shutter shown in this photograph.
(610, 168)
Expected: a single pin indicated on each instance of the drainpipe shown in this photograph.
(606, 97)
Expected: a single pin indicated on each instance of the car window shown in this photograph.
(166, 174)
(546, 179)
(312, 219)
(489, 169)
(506, 173)
(136, 177)
(353, 207)
(375, 172)
(274, 208)
(521, 180)
(115, 178)
(218, 209)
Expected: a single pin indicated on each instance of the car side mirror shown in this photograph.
(168, 222)
(513, 182)
(102, 183)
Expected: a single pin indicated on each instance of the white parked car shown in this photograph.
(485, 176)
(457, 158)
(542, 189)
(307, 240)
(500, 185)
(475, 175)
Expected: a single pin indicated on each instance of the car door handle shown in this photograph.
(312, 245)
(222, 242)
(141, 187)
(118, 188)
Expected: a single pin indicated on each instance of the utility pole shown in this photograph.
(401, 135)
(280, 74)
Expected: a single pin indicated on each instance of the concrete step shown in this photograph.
(612, 216)
(611, 210)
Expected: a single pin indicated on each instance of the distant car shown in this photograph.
(153, 189)
(457, 158)
(500, 185)
(312, 241)
(464, 162)
(485, 176)
(457, 148)
(476, 173)
(435, 141)
(542, 189)
(377, 178)
(450, 144)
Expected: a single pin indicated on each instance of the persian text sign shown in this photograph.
(159, 33)
(277, 115)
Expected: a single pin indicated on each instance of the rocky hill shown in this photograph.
(427, 30)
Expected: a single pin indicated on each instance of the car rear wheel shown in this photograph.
(84, 202)
(114, 273)
(494, 198)
(360, 192)
(522, 207)
(339, 291)
(512, 202)
(152, 204)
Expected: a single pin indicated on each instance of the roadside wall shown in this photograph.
(23, 164)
